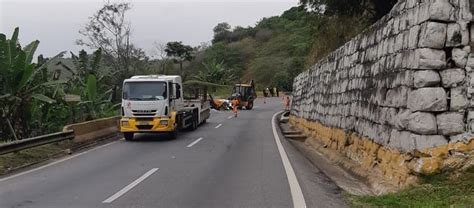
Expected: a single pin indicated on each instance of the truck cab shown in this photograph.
(154, 104)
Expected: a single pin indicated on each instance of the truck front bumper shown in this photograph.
(146, 125)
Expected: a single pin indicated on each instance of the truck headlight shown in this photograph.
(164, 123)
(125, 123)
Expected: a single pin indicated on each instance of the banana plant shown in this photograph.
(18, 84)
(89, 81)
(97, 104)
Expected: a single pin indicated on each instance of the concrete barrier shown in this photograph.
(92, 130)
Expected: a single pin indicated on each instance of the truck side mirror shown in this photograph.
(178, 91)
(178, 94)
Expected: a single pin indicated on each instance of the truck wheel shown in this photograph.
(128, 136)
(194, 125)
(249, 106)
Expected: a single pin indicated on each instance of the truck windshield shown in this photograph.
(144, 91)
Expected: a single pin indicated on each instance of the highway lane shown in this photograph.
(227, 162)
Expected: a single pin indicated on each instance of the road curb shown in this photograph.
(347, 181)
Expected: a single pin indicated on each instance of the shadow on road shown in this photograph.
(152, 137)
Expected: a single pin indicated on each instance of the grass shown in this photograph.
(12, 161)
(440, 190)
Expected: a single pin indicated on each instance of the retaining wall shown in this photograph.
(93, 130)
(398, 98)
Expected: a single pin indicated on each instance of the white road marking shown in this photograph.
(130, 186)
(230, 117)
(218, 126)
(195, 142)
(55, 162)
(295, 189)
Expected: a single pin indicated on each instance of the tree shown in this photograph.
(159, 50)
(109, 30)
(179, 53)
(215, 72)
(374, 9)
(221, 32)
(20, 84)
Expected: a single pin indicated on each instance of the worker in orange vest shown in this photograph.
(235, 104)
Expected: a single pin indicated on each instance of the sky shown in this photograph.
(55, 23)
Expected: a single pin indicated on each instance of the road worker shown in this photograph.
(287, 103)
(235, 105)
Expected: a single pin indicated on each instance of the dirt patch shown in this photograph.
(16, 160)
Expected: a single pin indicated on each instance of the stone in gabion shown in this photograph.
(428, 99)
(458, 99)
(426, 78)
(452, 77)
(470, 61)
(450, 123)
(459, 57)
(400, 140)
(413, 37)
(396, 97)
(441, 10)
(422, 123)
(407, 142)
(432, 35)
(454, 35)
(428, 141)
(426, 58)
(401, 120)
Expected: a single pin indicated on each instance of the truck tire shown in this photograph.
(249, 106)
(128, 136)
(194, 125)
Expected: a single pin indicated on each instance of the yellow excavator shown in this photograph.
(246, 94)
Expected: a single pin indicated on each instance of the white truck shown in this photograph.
(155, 104)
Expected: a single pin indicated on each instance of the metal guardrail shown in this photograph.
(35, 141)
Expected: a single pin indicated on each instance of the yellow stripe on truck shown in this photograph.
(131, 124)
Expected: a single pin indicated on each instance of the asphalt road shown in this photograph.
(227, 162)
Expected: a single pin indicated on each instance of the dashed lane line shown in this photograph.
(130, 186)
(195, 142)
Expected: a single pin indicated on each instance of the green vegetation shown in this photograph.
(372, 9)
(441, 190)
(272, 52)
(25, 90)
(33, 98)
(179, 53)
(278, 48)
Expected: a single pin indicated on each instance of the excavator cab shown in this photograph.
(246, 94)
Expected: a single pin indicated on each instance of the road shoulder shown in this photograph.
(318, 189)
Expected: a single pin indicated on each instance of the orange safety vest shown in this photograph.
(235, 104)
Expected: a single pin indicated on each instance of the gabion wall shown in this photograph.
(405, 83)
